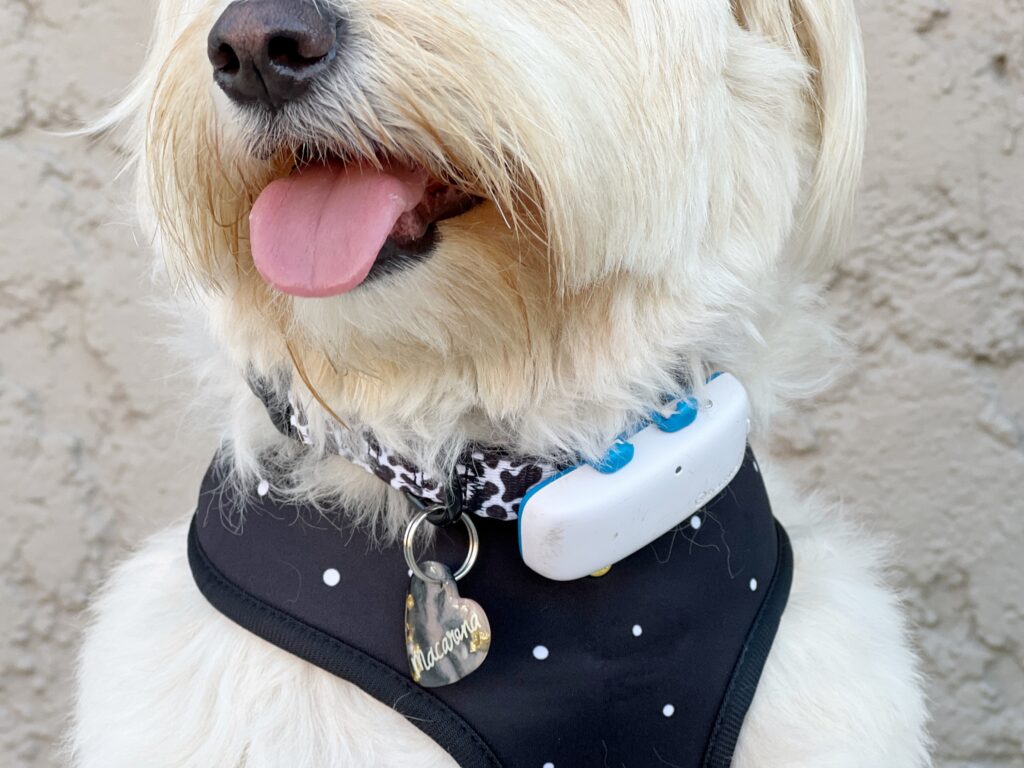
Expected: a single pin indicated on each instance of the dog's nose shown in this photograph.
(271, 51)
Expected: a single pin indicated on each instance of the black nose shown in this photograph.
(271, 51)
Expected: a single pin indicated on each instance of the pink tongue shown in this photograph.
(318, 231)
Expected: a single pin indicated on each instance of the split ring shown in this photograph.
(410, 556)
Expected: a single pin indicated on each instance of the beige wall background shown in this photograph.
(923, 439)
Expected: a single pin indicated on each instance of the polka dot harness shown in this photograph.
(653, 663)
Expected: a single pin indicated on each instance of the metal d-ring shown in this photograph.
(410, 556)
(442, 513)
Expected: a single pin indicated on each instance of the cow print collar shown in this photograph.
(487, 481)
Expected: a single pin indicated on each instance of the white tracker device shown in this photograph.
(589, 517)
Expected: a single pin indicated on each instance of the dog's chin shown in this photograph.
(334, 224)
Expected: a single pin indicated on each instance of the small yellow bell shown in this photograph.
(601, 572)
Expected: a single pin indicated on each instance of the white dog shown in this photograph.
(550, 214)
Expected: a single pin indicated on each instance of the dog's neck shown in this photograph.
(558, 378)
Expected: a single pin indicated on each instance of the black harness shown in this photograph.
(654, 663)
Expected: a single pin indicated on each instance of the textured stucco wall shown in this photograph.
(924, 438)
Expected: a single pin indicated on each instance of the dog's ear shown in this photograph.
(825, 34)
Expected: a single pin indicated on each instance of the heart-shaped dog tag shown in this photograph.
(446, 636)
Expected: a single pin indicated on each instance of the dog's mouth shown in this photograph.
(332, 225)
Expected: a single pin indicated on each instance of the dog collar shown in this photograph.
(493, 483)
(487, 481)
(582, 517)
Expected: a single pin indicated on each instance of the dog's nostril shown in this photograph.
(225, 60)
(286, 52)
(271, 51)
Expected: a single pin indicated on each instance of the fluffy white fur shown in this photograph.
(665, 182)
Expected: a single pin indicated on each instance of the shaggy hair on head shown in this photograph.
(664, 182)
